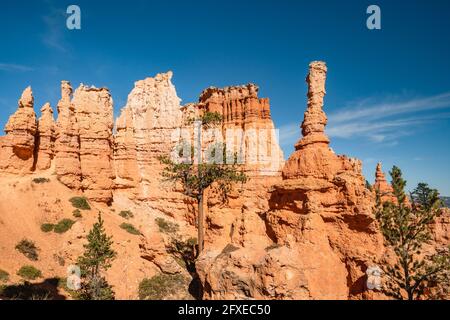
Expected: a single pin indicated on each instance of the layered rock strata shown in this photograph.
(94, 115)
(67, 144)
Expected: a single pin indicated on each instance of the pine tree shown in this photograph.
(406, 229)
(96, 259)
(196, 177)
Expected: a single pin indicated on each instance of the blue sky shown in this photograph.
(388, 90)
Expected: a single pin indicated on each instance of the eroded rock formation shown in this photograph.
(94, 116)
(320, 222)
(303, 229)
(145, 131)
(46, 138)
(383, 187)
(67, 145)
(247, 126)
(17, 147)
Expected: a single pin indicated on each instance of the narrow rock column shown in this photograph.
(382, 185)
(67, 146)
(315, 119)
(46, 138)
(313, 156)
(94, 114)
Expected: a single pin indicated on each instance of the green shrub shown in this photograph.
(41, 180)
(127, 214)
(166, 226)
(130, 228)
(28, 249)
(77, 213)
(47, 227)
(29, 273)
(63, 225)
(80, 203)
(4, 276)
(161, 286)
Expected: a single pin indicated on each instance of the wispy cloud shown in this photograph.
(11, 67)
(55, 26)
(380, 122)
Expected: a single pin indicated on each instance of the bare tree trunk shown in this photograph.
(200, 223)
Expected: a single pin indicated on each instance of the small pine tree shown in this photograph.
(96, 259)
(197, 177)
(406, 229)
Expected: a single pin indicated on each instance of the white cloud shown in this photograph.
(11, 67)
(55, 26)
(380, 122)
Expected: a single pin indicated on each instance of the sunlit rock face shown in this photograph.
(146, 129)
(17, 147)
(94, 116)
(322, 235)
(46, 138)
(67, 143)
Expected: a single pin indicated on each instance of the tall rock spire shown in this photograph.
(382, 186)
(312, 156)
(17, 148)
(46, 130)
(67, 145)
(315, 119)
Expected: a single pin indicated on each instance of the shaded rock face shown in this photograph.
(320, 224)
(17, 147)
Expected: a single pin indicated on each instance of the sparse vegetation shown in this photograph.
(41, 180)
(47, 227)
(80, 203)
(28, 249)
(166, 226)
(406, 229)
(29, 272)
(184, 253)
(96, 259)
(161, 286)
(196, 177)
(63, 225)
(62, 284)
(76, 213)
(4, 276)
(130, 228)
(126, 214)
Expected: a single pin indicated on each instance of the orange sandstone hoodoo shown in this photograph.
(320, 226)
